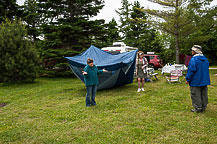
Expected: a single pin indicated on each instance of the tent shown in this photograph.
(120, 66)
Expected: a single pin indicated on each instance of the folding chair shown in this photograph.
(150, 73)
(174, 76)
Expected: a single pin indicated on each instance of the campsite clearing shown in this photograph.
(52, 110)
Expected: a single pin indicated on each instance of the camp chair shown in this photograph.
(151, 73)
(174, 76)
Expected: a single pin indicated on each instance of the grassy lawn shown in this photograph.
(213, 66)
(53, 111)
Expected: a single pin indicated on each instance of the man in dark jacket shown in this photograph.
(198, 78)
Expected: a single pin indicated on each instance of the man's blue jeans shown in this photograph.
(91, 94)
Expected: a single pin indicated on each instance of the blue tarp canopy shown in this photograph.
(120, 66)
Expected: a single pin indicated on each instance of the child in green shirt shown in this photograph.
(91, 81)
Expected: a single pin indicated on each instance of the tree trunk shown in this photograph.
(34, 35)
(177, 33)
(177, 47)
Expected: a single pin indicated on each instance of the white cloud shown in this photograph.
(108, 11)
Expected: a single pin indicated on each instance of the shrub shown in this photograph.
(19, 58)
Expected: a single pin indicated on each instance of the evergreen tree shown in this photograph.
(9, 9)
(102, 34)
(124, 13)
(137, 32)
(185, 21)
(174, 21)
(68, 30)
(113, 32)
(33, 18)
(19, 59)
(204, 18)
(140, 34)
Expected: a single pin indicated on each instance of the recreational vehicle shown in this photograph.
(118, 47)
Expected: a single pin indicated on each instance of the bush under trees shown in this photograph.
(18, 58)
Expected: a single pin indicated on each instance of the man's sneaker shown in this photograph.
(142, 89)
(138, 90)
(194, 110)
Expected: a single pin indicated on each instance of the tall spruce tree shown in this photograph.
(142, 35)
(124, 13)
(103, 33)
(19, 59)
(137, 27)
(33, 18)
(9, 9)
(134, 26)
(113, 32)
(68, 30)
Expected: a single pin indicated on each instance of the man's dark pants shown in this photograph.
(199, 96)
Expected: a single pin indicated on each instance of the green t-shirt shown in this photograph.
(91, 77)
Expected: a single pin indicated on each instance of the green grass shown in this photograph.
(213, 66)
(53, 111)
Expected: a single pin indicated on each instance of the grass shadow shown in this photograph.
(68, 90)
(210, 113)
(21, 83)
(118, 88)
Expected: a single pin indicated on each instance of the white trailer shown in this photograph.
(118, 47)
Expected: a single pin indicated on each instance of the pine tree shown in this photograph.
(68, 30)
(9, 9)
(19, 59)
(140, 34)
(134, 26)
(33, 18)
(204, 18)
(174, 21)
(186, 21)
(113, 32)
(124, 13)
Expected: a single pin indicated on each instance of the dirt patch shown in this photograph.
(3, 104)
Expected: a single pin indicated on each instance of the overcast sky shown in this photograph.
(108, 11)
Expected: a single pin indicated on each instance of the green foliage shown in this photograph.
(188, 22)
(205, 33)
(19, 59)
(9, 9)
(172, 21)
(112, 32)
(33, 18)
(168, 56)
(68, 31)
(124, 13)
(135, 29)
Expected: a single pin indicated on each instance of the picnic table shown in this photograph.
(168, 68)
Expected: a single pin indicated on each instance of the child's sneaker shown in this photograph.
(138, 90)
(142, 89)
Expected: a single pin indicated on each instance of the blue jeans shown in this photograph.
(91, 94)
